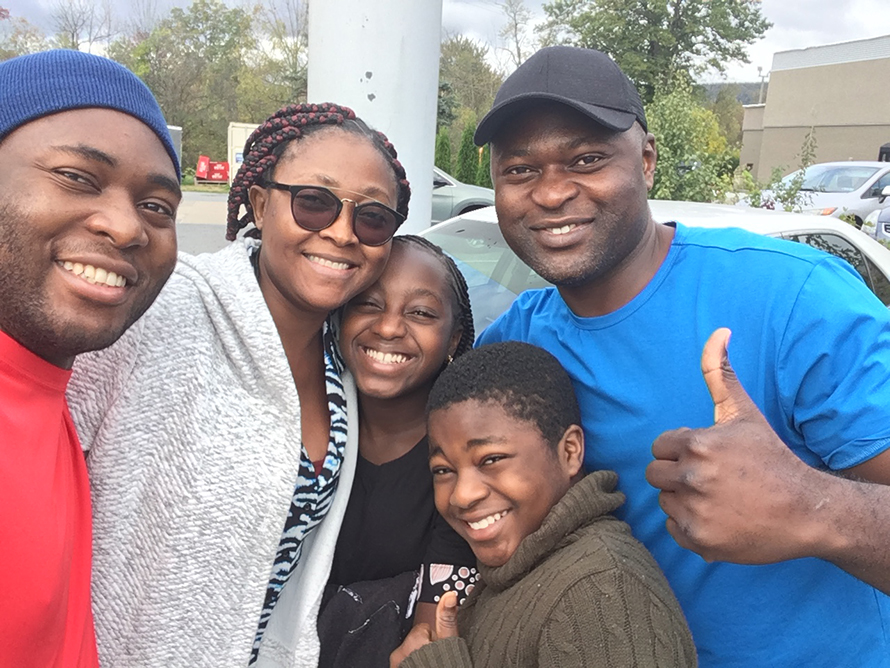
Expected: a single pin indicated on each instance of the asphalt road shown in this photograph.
(201, 222)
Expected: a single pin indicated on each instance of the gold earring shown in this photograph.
(449, 359)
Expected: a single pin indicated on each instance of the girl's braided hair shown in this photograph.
(268, 142)
(458, 285)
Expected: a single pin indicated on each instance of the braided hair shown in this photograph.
(464, 311)
(269, 141)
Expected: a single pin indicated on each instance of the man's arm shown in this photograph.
(735, 492)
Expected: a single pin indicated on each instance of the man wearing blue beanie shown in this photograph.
(89, 188)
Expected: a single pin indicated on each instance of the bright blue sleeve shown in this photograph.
(833, 367)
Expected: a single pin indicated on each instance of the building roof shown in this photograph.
(833, 54)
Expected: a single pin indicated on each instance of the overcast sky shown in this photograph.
(796, 24)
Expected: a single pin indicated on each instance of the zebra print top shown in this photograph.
(313, 494)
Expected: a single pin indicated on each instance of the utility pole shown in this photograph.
(762, 79)
(381, 58)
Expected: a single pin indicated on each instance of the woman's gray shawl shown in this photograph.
(192, 426)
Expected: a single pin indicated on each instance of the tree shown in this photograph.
(443, 151)
(787, 193)
(515, 31)
(284, 27)
(730, 114)
(200, 64)
(691, 150)
(483, 174)
(656, 40)
(18, 37)
(463, 64)
(467, 156)
(80, 23)
(445, 114)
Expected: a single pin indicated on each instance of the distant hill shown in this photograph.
(748, 93)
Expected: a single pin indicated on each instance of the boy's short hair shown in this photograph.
(527, 381)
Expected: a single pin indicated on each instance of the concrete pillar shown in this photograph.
(381, 58)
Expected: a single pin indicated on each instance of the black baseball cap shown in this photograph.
(583, 79)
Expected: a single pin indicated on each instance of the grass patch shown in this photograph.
(205, 187)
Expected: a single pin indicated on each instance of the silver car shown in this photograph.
(852, 188)
(452, 198)
(495, 275)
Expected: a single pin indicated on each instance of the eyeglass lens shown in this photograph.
(315, 209)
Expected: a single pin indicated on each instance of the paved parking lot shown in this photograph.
(201, 222)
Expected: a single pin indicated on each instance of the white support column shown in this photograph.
(381, 58)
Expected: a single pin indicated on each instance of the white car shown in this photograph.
(495, 275)
(852, 188)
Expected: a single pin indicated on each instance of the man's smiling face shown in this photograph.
(88, 203)
(571, 195)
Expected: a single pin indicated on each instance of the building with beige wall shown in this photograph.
(842, 91)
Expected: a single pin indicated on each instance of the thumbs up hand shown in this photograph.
(734, 491)
(446, 616)
(422, 634)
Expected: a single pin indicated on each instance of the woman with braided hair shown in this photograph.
(222, 429)
(396, 337)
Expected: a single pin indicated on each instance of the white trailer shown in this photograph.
(238, 134)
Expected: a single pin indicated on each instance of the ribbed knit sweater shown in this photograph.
(580, 591)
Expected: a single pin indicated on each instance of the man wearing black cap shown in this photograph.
(796, 561)
(88, 195)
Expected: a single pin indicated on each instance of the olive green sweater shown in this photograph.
(580, 591)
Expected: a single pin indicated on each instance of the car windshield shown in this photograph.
(833, 178)
(494, 274)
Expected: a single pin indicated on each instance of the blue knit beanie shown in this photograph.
(48, 82)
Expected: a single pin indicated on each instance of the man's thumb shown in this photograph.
(730, 398)
(446, 616)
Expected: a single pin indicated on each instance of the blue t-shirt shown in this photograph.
(811, 345)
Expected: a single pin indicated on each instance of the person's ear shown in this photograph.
(570, 450)
(258, 197)
(650, 158)
(455, 340)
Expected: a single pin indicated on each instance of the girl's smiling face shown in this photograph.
(396, 335)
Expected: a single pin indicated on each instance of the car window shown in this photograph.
(494, 274)
(834, 179)
(879, 185)
(836, 245)
(881, 284)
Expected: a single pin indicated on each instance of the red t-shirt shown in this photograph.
(45, 524)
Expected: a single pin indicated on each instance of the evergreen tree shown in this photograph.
(483, 174)
(467, 157)
(443, 150)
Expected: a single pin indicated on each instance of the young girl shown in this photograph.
(396, 337)
(222, 428)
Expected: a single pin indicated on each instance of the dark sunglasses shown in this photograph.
(315, 207)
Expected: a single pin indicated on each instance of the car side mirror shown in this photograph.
(438, 183)
(884, 194)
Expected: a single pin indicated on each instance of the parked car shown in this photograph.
(452, 198)
(877, 224)
(495, 275)
(843, 188)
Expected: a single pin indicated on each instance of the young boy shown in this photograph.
(563, 582)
